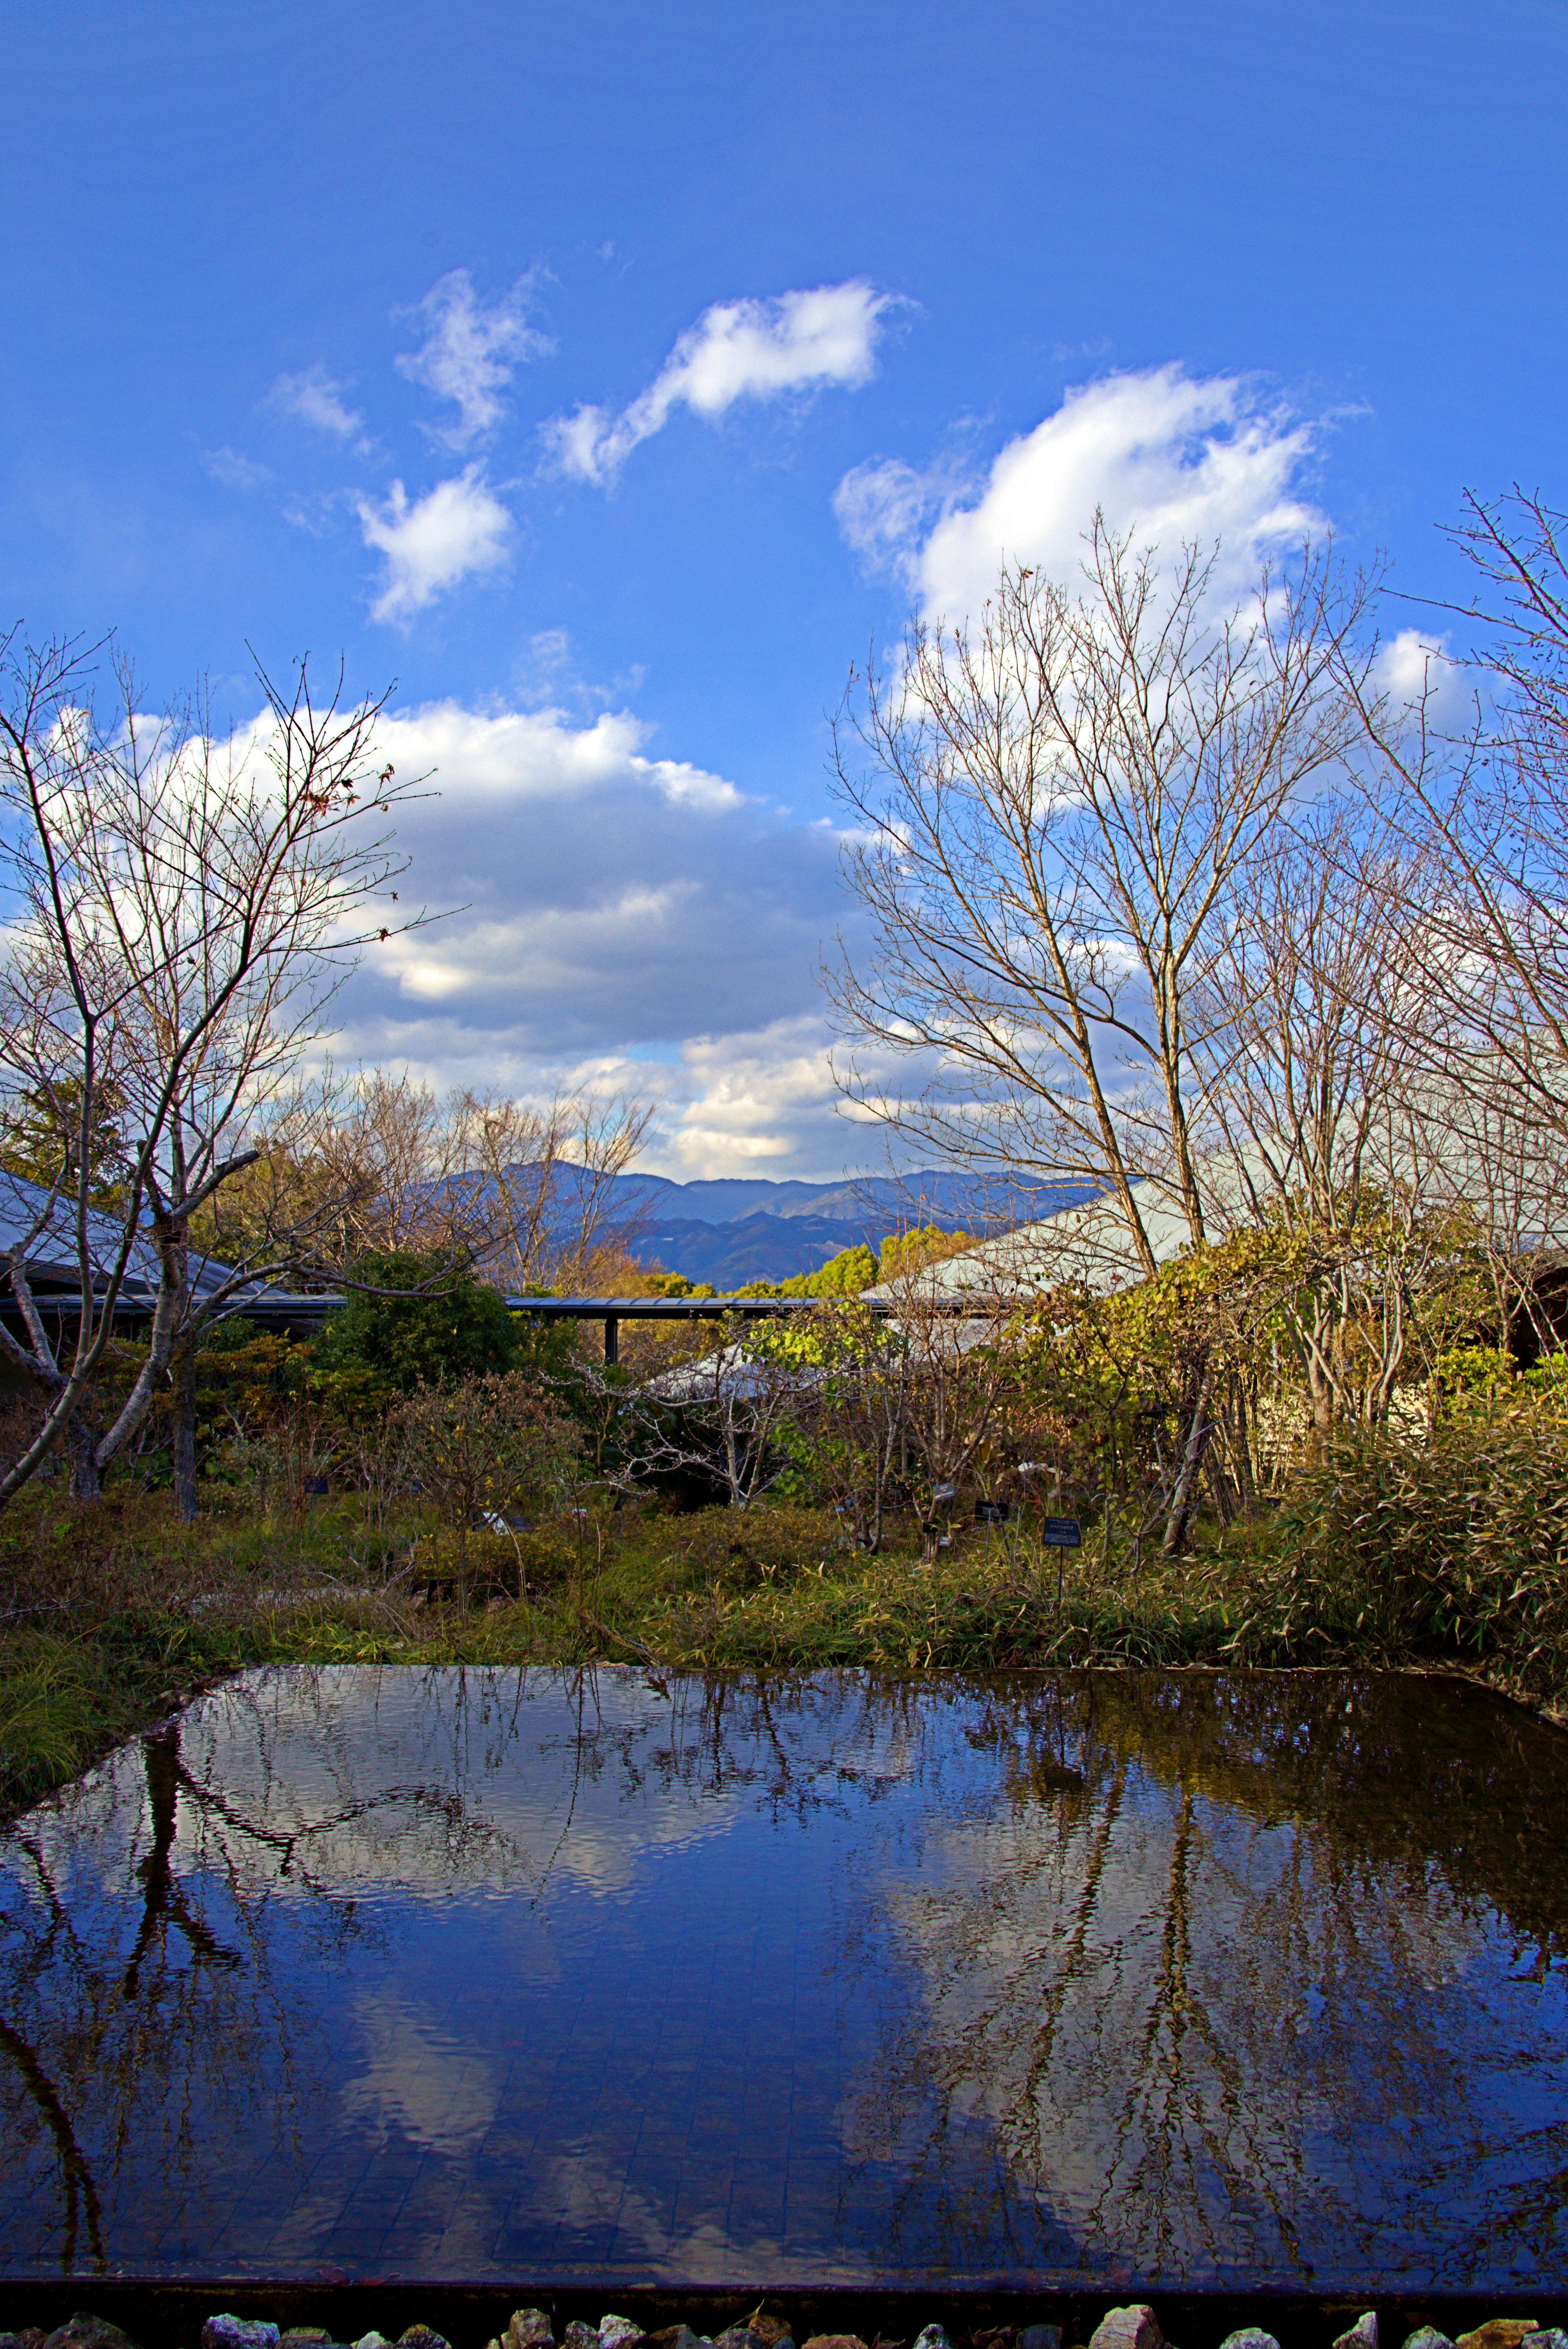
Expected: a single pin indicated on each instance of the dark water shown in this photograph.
(625, 1977)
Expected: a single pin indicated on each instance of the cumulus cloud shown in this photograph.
(626, 920)
(460, 528)
(316, 399)
(736, 351)
(1174, 457)
(470, 352)
(1416, 665)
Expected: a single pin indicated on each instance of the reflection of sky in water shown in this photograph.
(471, 1974)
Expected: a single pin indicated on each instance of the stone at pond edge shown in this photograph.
(1134, 2327)
(1497, 2332)
(239, 2332)
(738, 2336)
(1427, 2336)
(931, 2336)
(84, 2332)
(1551, 2337)
(1363, 2334)
(675, 2336)
(618, 2333)
(420, 2337)
(1250, 2336)
(529, 2328)
(835, 2340)
(771, 2331)
(579, 2335)
(1039, 2336)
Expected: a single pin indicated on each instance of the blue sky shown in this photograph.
(307, 305)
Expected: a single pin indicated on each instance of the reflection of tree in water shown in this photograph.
(1223, 2011)
(1191, 2013)
(147, 1993)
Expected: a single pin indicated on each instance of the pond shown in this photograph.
(1230, 1981)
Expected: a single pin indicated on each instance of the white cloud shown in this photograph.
(1172, 457)
(626, 920)
(461, 528)
(469, 354)
(737, 350)
(318, 401)
(881, 509)
(1415, 663)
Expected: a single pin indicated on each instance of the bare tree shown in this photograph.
(1483, 797)
(1052, 807)
(523, 1192)
(1317, 1017)
(721, 1417)
(184, 909)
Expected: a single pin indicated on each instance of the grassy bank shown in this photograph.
(113, 1614)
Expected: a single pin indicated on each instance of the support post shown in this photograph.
(611, 1338)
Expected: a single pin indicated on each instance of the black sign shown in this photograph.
(316, 1485)
(1062, 1532)
(992, 1513)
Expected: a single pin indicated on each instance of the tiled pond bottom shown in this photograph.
(1141, 1979)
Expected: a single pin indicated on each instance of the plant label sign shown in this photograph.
(991, 1513)
(1061, 1533)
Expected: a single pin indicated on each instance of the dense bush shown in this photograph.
(408, 1324)
(1452, 1545)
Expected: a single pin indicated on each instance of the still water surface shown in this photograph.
(1116, 1977)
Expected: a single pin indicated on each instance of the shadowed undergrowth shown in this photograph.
(1392, 1553)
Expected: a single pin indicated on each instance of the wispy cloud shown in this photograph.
(235, 472)
(1176, 459)
(316, 399)
(470, 352)
(460, 528)
(736, 351)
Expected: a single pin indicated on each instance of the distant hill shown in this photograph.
(748, 1228)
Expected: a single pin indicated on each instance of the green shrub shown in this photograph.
(1451, 1545)
(431, 1329)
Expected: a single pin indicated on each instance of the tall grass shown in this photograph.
(1451, 1548)
(1447, 1546)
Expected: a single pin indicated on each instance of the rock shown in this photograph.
(84, 2332)
(771, 2331)
(238, 2333)
(529, 2328)
(365, 2340)
(835, 2340)
(1134, 2327)
(302, 2336)
(677, 2336)
(1363, 2334)
(579, 2335)
(1497, 2332)
(620, 2332)
(1427, 2336)
(1251, 2336)
(734, 2336)
(930, 2336)
(419, 2336)
(1039, 2336)
(1549, 2337)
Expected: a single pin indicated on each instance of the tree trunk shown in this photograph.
(182, 1434)
(1184, 1498)
(86, 1481)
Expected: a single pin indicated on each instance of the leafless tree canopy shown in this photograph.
(1054, 809)
(182, 910)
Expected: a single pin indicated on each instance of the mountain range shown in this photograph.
(748, 1228)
